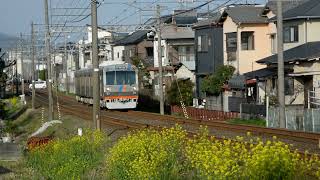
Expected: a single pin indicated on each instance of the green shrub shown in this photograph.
(213, 83)
(14, 101)
(42, 75)
(2, 110)
(73, 158)
(149, 154)
(10, 127)
(186, 90)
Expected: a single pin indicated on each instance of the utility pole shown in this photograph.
(33, 68)
(49, 80)
(160, 62)
(17, 82)
(55, 69)
(281, 97)
(65, 64)
(95, 64)
(22, 71)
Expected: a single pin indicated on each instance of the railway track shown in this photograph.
(138, 120)
(284, 133)
(85, 113)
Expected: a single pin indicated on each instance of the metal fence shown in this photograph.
(205, 114)
(248, 111)
(235, 102)
(296, 119)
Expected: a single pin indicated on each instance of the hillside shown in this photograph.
(7, 41)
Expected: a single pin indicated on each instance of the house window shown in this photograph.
(149, 51)
(203, 43)
(247, 41)
(273, 44)
(186, 53)
(289, 86)
(231, 45)
(231, 42)
(118, 55)
(290, 34)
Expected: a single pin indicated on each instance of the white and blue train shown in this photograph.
(118, 85)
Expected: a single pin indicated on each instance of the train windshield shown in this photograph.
(120, 78)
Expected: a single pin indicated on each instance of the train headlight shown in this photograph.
(134, 90)
(108, 89)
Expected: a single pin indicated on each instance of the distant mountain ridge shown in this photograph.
(7, 41)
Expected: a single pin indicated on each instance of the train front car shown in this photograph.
(120, 86)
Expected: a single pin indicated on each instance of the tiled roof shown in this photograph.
(245, 14)
(308, 9)
(260, 73)
(303, 9)
(308, 51)
(286, 5)
(207, 22)
(185, 20)
(179, 20)
(133, 38)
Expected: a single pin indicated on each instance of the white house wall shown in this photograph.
(118, 50)
(101, 33)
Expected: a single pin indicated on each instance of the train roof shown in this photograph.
(108, 63)
(119, 67)
(112, 66)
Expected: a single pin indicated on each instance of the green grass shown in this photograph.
(254, 122)
(18, 170)
(27, 124)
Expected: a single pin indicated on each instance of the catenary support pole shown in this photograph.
(21, 60)
(95, 64)
(16, 69)
(65, 64)
(33, 66)
(281, 97)
(48, 56)
(22, 69)
(160, 61)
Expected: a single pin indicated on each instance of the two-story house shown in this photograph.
(301, 26)
(237, 36)
(208, 49)
(245, 36)
(177, 48)
(135, 44)
(105, 40)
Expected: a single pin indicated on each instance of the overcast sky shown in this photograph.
(16, 15)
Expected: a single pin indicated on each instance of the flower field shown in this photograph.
(171, 154)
